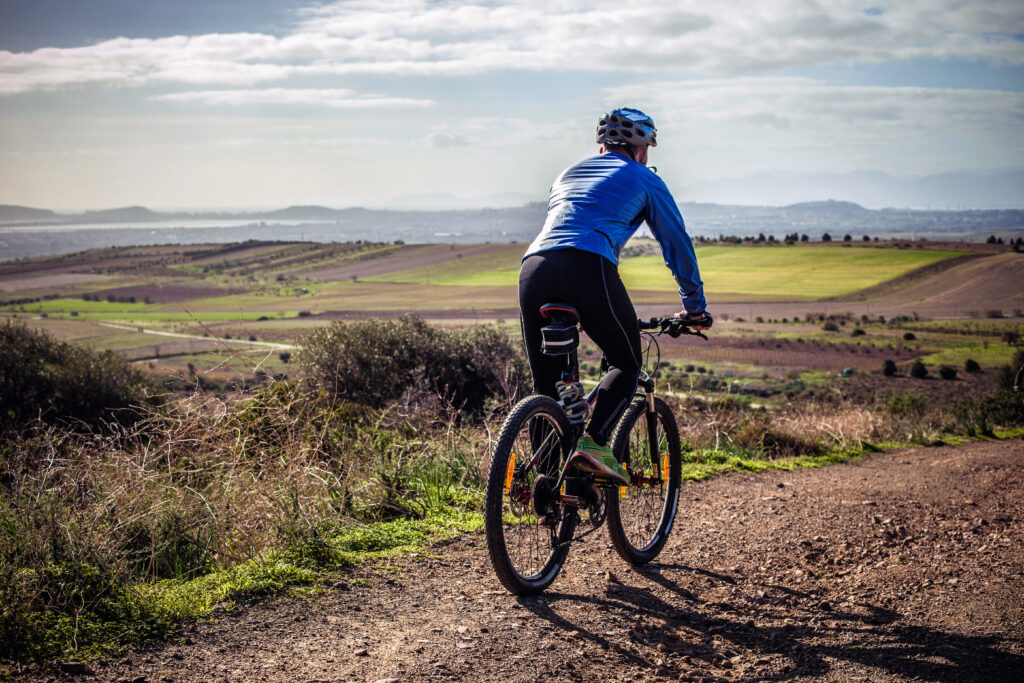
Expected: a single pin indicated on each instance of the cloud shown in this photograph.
(776, 122)
(338, 98)
(450, 37)
(443, 140)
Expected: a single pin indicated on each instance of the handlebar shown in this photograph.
(673, 327)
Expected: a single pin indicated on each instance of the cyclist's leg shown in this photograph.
(610, 320)
(538, 285)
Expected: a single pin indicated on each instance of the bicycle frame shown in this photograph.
(571, 374)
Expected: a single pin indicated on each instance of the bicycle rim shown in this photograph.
(526, 554)
(640, 516)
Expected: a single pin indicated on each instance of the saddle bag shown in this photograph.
(559, 340)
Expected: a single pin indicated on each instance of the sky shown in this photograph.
(201, 104)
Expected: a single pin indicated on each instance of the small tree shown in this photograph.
(285, 356)
(971, 365)
(847, 237)
(826, 237)
(918, 370)
(889, 368)
(946, 372)
(805, 238)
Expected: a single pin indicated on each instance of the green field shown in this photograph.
(746, 272)
(783, 273)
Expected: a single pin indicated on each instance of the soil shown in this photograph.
(414, 256)
(902, 566)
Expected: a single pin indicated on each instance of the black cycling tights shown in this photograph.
(590, 283)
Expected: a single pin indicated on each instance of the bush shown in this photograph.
(909, 336)
(947, 372)
(980, 416)
(906, 405)
(57, 382)
(758, 436)
(829, 326)
(857, 332)
(971, 365)
(889, 368)
(376, 362)
(918, 370)
(1006, 374)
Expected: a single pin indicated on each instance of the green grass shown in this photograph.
(783, 273)
(67, 305)
(710, 463)
(794, 273)
(992, 354)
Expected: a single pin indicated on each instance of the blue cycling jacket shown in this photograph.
(597, 205)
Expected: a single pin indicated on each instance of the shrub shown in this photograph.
(758, 436)
(918, 370)
(971, 365)
(909, 336)
(906, 405)
(376, 362)
(981, 416)
(947, 372)
(55, 381)
(285, 356)
(1006, 374)
(829, 326)
(889, 368)
(857, 332)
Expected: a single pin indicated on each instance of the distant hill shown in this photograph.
(127, 213)
(872, 189)
(830, 207)
(12, 212)
(300, 213)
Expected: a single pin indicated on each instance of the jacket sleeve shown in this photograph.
(667, 226)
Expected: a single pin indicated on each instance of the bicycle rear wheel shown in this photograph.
(640, 515)
(528, 536)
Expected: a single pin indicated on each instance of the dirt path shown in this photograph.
(904, 566)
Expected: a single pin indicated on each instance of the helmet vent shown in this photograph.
(627, 126)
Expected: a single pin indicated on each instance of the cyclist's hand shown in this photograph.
(697, 321)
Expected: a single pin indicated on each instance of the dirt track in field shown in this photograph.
(903, 566)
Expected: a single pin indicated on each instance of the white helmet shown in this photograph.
(627, 126)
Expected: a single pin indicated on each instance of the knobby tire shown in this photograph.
(527, 556)
(639, 523)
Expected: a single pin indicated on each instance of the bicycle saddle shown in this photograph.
(560, 314)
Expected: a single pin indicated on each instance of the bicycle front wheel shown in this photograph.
(640, 515)
(527, 535)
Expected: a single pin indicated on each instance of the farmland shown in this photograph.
(784, 311)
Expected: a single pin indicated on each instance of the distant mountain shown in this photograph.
(127, 213)
(968, 189)
(829, 207)
(300, 213)
(11, 212)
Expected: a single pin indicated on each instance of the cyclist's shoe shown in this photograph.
(599, 461)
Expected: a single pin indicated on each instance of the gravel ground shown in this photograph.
(902, 566)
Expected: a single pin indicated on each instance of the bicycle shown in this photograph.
(535, 490)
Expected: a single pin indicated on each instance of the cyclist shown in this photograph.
(595, 207)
